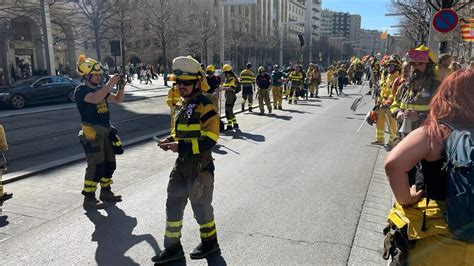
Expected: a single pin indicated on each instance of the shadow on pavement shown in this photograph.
(238, 134)
(3, 221)
(296, 111)
(216, 259)
(329, 98)
(283, 117)
(113, 234)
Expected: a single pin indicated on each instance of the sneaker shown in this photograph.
(169, 254)
(204, 249)
(109, 196)
(93, 203)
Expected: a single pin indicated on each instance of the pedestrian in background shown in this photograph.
(263, 81)
(278, 78)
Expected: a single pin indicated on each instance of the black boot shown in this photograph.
(169, 254)
(6, 196)
(90, 202)
(108, 195)
(250, 108)
(204, 249)
(243, 107)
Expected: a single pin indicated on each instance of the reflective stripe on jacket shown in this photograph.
(196, 126)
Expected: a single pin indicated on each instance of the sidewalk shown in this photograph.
(367, 248)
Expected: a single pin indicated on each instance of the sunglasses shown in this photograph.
(185, 82)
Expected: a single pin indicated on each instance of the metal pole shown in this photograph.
(280, 31)
(222, 33)
(48, 39)
(307, 31)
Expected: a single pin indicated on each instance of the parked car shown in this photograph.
(38, 90)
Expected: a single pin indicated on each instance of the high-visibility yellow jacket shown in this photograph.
(329, 75)
(173, 97)
(386, 84)
(247, 77)
(196, 127)
(3, 139)
(296, 79)
(415, 95)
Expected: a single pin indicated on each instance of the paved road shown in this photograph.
(290, 189)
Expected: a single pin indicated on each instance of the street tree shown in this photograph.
(415, 22)
(202, 21)
(121, 25)
(97, 14)
(162, 16)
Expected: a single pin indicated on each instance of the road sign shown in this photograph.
(445, 20)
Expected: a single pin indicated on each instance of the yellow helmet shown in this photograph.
(210, 68)
(227, 67)
(421, 54)
(87, 66)
(261, 69)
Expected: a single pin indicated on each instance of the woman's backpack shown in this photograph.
(459, 213)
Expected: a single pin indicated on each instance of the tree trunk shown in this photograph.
(97, 42)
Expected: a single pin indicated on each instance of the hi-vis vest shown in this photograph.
(173, 97)
(3, 139)
(196, 126)
(247, 77)
(296, 78)
(386, 88)
(230, 82)
(416, 95)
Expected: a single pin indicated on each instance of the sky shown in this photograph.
(372, 12)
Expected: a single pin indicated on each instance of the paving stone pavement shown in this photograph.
(367, 246)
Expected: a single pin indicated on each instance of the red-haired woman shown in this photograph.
(434, 245)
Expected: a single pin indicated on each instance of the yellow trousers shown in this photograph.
(277, 96)
(441, 250)
(384, 117)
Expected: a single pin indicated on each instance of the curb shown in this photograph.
(22, 174)
(367, 246)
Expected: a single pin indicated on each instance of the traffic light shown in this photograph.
(447, 3)
(115, 48)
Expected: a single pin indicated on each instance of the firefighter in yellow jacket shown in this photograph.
(296, 80)
(195, 132)
(412, 103)
(384, 117)
(172, 100)
(230, 86)
(98, 138)
(247, 79)
(3, 147)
